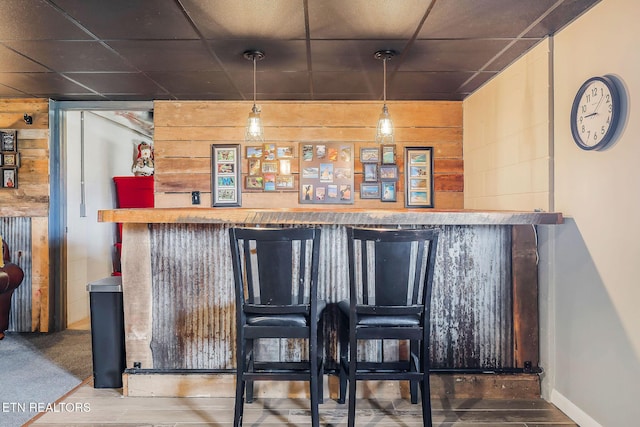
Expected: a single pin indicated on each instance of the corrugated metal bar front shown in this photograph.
(194, 313)
(16, 231)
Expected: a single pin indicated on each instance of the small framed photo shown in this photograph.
(9, 159)
(285, 152)
(388, 191)
(269, 151)
(8, 140)
(254, 183)
(388, 154)
(9, 178)
(369, 155)
(388, 172)
(370, 172)
(254, 152)
(225, 176)
(285, 182)
(419, 177)
(269, 167)
(284, 167)
(255, 166)
(369, 191)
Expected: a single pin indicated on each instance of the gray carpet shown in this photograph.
(37, 369)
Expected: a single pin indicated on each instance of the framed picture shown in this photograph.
(254, 152)
(388, 191)
(225, 175)
(9, 159)
(388, 154)
(285, 152)
(369, 155)
(285, 182)
(388, 172)
(369, 191)
(254, 183)
(8, 140)
(9, 178)
(418, 163)
(370, 172)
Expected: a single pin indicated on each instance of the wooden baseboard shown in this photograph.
(453, 386)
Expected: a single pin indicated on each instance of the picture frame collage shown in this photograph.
(269, 168)
(9, 159)
(326, 173)
(379, 173)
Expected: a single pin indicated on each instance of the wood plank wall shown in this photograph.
(184, 132)
(31, 197)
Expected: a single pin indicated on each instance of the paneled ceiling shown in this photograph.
(315, 49)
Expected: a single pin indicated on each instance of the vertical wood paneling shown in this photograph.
(193, 313)
(184, 132)
(28, 204)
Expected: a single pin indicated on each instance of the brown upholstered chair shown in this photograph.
(10, 278)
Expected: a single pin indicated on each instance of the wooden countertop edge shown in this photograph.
(327, 217)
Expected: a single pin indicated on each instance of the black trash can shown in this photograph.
(107, 332)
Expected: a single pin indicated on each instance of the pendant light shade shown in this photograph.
(384, 132)
(254, 131)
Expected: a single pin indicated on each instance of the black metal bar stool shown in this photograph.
(390, 280)
(276, 284)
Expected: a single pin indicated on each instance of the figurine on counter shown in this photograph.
(143, 165)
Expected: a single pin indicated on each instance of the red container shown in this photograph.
(133, 192)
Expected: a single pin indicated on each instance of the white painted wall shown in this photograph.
(506, 138)
(108, 153)
(590, 266)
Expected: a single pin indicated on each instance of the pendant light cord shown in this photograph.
(254, 82)
(384, 90)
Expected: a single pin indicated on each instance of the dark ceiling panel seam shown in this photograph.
(73, 21)
(208, 47)
(513, 41)
(307, 33)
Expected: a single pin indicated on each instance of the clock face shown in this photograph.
(595, 113)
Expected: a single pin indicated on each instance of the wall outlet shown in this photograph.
(195, 197)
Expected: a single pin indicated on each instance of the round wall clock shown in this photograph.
(596, 113)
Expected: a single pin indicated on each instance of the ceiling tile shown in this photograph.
(166, 55)
(414, 82)
(233, 19)
(41, 84)
(116, 83)
(461, 19)
(290, 55)
(557, 18)
(347, 83)
(130, 19)
(365, 19)
(12, 61)
(36, 20)
(71, 55)
(451, 55)
(351, 55)
(8, 92)
(195, 82)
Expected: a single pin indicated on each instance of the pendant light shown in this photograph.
(254, 132)
(384, 133)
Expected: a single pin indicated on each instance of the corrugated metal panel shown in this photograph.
(194, 314)
(17, 233)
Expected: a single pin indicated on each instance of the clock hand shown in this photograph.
(589, 115)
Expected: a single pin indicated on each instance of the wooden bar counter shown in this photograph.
(179, 298)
